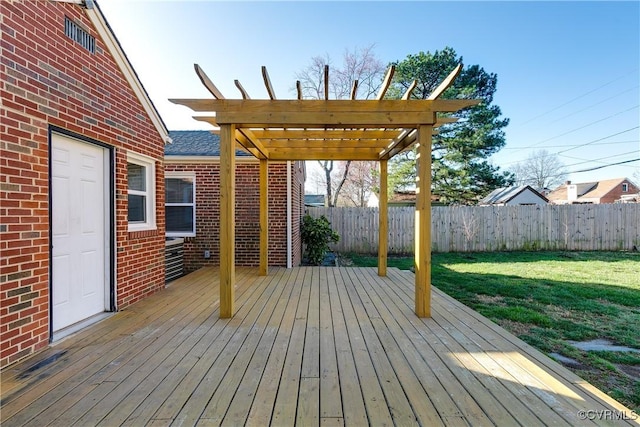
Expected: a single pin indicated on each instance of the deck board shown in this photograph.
(63, 387)
(475, 396)
(286, 402)
(396, 399)
(57, 373)
(457, 343)
(220, 373)
(330, 401)
(281, 319)
(262, 405)
(374, 401)
(307, 346)
(508, 350)
(354, 411)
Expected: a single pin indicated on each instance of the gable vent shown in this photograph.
(77, 33)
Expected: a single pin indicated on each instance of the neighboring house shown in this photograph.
(314, 200)
(192, 177)
(629, 198)
(544, 191)
(597, 192)
(401, 199)
(82, 190)
(510, 196)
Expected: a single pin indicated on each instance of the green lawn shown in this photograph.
(548, 298)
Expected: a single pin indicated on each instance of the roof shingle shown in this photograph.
(587, 190)
(195, 143)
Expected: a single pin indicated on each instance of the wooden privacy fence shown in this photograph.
(492, 228)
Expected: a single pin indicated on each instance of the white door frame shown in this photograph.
(109, 220)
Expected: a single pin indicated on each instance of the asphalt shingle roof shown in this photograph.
(588, 190)
(195, 143)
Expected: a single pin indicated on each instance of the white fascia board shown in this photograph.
(100, 24)
(206, 159)
(172, 159)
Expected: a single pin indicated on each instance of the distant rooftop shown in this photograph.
(588, 190)
(195, 143)
(314, 199)
(505, 194)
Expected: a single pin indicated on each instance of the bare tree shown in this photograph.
(360, 64)
(470, 227)
(540, 170)
(331, 192)
(311, 78)
(362, 182)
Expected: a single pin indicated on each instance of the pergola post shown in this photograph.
(227, 219)
(383, 216)
(264, 217)
(423, 223)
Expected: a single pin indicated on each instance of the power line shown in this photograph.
(578, 97)
(607, 165)
(589, 124)
(593, 105)
(582, 161)
(596, 167)
(584, 126)
(598, 161)
(597, 140)
(574, 145)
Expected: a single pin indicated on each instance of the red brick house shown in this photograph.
(81, 173)
(596, 192)
(192, 166)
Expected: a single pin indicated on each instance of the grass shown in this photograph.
(403, 263)
(549, 298)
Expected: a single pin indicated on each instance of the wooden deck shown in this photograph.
(308, 346)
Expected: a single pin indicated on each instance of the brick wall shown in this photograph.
(247, 214)
(617, 192)
(48, 79)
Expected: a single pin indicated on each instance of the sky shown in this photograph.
(568, 71)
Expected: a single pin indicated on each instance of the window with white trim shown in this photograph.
(180, 204)
(141, 179)
(625, 187)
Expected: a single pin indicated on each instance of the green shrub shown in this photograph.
(316, 235)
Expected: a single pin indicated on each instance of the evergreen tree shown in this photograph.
(460, 171)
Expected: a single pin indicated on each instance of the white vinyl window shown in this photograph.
(625, 187)
(180, 204)
(141, 179)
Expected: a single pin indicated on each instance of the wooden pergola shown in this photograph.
(304, 129)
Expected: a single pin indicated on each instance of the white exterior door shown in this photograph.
(79, 210)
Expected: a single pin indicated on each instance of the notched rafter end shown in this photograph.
(206, 81)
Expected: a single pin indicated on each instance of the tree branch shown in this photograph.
(341, 183)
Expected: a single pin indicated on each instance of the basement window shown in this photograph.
(78, 34)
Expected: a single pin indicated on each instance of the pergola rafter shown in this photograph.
(299, 129)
